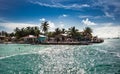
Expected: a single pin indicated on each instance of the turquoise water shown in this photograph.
(101, 58)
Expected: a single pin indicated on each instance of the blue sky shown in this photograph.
(101, 15)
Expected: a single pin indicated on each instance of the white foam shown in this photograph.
(60, 56)
(29, 52)
(81, 71)
(118, 55)
(55, 49)
(101, 50)
(16, 55)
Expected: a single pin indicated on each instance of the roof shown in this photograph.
(30, 36)
(2, 36)
(61, 35)
(13, 37)
(64, 34)
(42, 36)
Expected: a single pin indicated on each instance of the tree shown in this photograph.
(63, 30)
(50, 34)
(17, 29)
(26, 31)
(12, 34)
(45, 26)
(57, 31)
(73, 32)
(17, 32)
(36, 31)
(87, 33)
(88, 30)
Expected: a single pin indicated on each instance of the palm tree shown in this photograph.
(88, 30)
(88, 33)
(50, 34)
(17, 32)
(63, 30)
(45, 26)
(57, 31)
(36, 31)
(74, 34)
(17, 29)
(73, 31)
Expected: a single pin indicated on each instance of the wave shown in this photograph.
(15, 55)
(118, 55)
(55, 49)
(50, 50)
(101, 50)
(59, 56)
(105, 51)
(115, 54)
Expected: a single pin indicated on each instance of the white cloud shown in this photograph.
(107, 31)
(84, 16)
(107, 24)
(109, 15)
(89, 16)
(64, 15)
(88, 22)
(78, 6)
(59, 5)
(110, 7)
(42, 19)
(9, 27)
(51, 25)
(61, 25)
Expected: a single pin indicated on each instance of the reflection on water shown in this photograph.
(61, 59)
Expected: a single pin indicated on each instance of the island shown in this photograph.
(34, 35)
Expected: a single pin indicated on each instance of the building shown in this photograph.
(61, 37)
(2, 38)
(42, 38)
(30, 39)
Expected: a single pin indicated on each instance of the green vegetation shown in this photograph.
(26, 31)
(72, 32)
(45, 26)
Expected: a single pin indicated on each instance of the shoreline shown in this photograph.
(55, 43)
(65, 44)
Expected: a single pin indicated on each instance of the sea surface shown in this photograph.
(103, 58)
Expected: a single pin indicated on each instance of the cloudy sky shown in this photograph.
(103, 16)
